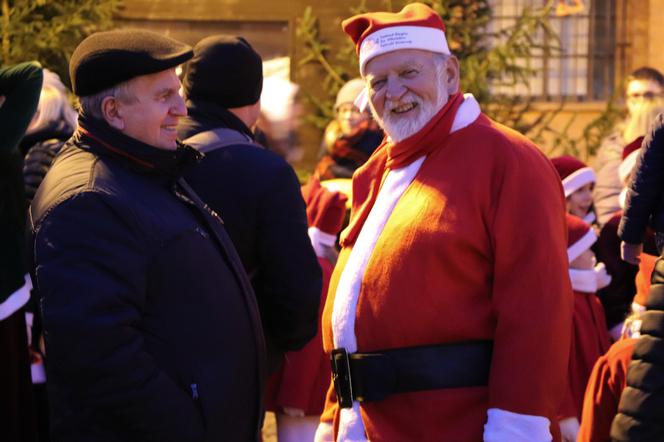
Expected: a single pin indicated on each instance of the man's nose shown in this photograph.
(179, 109)
(394, 89)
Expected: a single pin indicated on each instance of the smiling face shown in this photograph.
(151, 109)
(585, 261)
(349, 118)
(408, 87)
(579, 202)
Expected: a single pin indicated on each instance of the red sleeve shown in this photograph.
(605, 386)
(532, 296)
(599, 405)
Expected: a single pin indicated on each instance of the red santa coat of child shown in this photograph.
(590, 338)
(609, 376)
(457, 234)
(303, 380)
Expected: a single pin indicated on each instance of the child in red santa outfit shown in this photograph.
(609, 376)
(590, 338)
(578, 182)
(297, 392)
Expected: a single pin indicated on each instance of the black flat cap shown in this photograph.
(225, 70)
(105, 59)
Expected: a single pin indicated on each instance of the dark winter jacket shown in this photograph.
(258, 196)
(645, 197)
(39, 149)
(152, 331)
(20, 85)
(641, 408)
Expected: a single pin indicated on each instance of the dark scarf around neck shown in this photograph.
(98, 137)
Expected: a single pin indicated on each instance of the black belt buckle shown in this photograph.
(341, 377)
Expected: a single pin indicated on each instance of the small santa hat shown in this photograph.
(416, 26)
(629, 156)
(580, 236)
(326, 212)
(573, 172)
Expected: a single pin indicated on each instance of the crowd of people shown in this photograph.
(438, 278)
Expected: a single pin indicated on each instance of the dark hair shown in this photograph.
(647, 73)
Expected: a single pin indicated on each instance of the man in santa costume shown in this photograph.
(449, 311)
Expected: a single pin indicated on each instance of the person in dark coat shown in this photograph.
(255, 191)
(19, 94)
(639, 415)
(152, 330)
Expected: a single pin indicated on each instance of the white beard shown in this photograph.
(398, 127)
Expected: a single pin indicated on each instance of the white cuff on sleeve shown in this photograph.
(504, 426)
(16, 300)
(320, 240)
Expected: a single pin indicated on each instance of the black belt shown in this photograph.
(374, 376)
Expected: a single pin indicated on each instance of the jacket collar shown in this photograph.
(100, 138)
(207, 116)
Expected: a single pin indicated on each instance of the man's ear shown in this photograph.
(111, 112)
(453, 72)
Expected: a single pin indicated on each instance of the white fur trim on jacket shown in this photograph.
(622, 198)
(348, 288)
(320, 240)
(502, 426)
(394, 38)
(584, 281)
(627, 165)
(590, 217)
(16, 300)
(578, 179)
(583, 244)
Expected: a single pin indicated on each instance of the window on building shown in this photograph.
(583, 68)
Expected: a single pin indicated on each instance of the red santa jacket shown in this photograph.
(606, 383)
(590, 340)
(474, 249)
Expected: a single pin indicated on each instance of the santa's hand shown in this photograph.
(569, 428)
(324, 432)
(603, 277)
(630, 252)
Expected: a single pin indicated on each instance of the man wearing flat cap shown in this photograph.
(151, 325)
(255, 191)
(440, 321)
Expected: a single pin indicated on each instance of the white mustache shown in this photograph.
(407, 99)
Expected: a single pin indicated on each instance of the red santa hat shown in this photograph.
(580, 236)
(573, 172)
(629, 156)
(326, 210)
(416, 26)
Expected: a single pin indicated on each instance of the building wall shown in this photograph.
(639, 34)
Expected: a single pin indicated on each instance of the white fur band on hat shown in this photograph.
(577, 180)
(583, 244)
(402, 37)
(627, 165)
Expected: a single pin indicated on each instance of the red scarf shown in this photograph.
(389, 156)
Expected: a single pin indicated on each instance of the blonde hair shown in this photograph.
(53, 104)
(639, 122)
